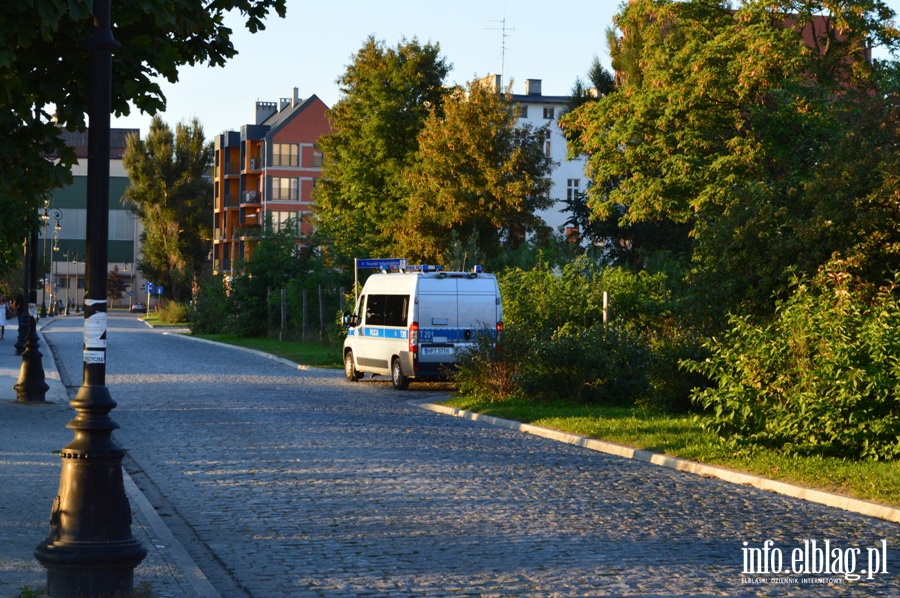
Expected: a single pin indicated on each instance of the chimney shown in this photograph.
(263, 111)
(296, 97)
(532, 87)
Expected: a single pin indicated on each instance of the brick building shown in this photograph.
(268, 170)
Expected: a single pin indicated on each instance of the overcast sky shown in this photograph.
(312, 46)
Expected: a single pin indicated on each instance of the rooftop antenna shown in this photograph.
(503, 28)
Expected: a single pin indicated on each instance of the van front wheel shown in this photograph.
(350, 369)
(398, 378)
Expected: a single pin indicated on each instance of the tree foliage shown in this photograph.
(774, 153)
(249, 302)
(477, 173)
(45, 74)
(821, 377)
(387, 94)
(171, 195)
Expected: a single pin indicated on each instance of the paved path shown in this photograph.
(281, 482)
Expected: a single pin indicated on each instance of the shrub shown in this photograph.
(822, 377)
(488, 370)
(209, 312)
(669, 385)
(173, 312)
(596, 364)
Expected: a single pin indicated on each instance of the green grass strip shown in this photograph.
(306, 353)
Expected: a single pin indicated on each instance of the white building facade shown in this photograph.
(567, 177)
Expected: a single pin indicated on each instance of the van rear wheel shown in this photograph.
(398, 378)
(350, 369)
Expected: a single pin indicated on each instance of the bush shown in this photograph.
(597, 364)
(488, 371)
(822, 377)
(670, 385)
(209, 312)
(172, 312)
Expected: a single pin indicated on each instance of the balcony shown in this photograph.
(250, 198)
(254, 164)
(232, 200)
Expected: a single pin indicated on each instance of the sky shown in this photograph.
(311, 47)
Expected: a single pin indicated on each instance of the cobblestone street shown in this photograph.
(287, 482)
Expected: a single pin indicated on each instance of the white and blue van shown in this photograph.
(412, 325)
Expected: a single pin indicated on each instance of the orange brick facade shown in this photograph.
(268, 170)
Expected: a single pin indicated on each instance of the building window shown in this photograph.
(317, 158)
(285, 189)
(285, 154)
(548, 113)
(572, 189)
(547, 147)
(523, 111)
(285, 221)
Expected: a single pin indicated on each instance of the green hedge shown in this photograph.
(822, 377)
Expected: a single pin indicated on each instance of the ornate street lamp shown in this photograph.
(54, 295)
(31, 386)
(68, 281)
(45, 219)
(90, 551)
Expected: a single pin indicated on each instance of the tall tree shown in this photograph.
(171, 194)
(730, 124)
(387, 93)
(476, 173)
(44, 78)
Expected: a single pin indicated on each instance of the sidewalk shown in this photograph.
(31, 436)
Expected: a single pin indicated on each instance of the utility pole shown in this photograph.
(90, 552)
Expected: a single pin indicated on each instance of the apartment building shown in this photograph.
(567, 178)
(61, 244)
(266, 171)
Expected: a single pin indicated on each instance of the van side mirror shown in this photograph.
(351, 320)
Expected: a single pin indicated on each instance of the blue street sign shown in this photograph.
(150, 288)
(382, 263)
(159, 290)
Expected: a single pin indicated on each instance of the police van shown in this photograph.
(413, 324)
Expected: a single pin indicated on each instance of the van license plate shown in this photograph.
(437, 350)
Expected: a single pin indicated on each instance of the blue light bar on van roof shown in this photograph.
(477, 269)
(424, 268)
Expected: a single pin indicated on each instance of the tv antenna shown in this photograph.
(503, 29)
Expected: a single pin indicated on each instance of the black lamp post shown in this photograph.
(90, 552)
(31, 386)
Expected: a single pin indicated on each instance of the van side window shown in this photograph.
(375, 310)
(387, 310)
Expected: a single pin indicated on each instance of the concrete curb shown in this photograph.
(854, 505)
(176, 552)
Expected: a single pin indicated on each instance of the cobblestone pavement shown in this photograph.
(283, 482)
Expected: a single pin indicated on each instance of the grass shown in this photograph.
(681, 436)
(306, 353)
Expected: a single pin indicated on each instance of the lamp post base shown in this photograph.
(31, 386)
(90, 551)
(108, 571)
